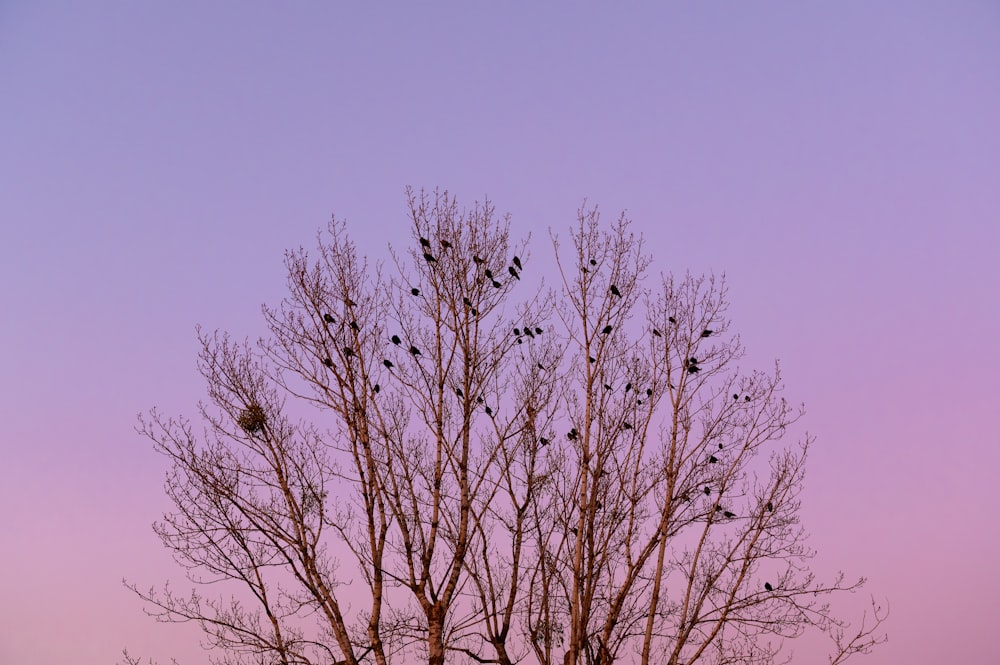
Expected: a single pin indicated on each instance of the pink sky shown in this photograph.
(841, 163)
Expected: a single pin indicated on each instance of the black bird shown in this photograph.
(479, 400)
(593, 262)
(377, 388)
(707, 491)
(395, 340)
(607, 386)
(513, 273)
(728, 514)
(328, 362)
(720, 446)
(458, 391)
(414, 350)
(348, 351)
(517, 332)
(387, 363)
(538, 331)
(671, 319)
(573, 434)
(767, 585)
(707, 333)
(415, 291)
(584, 269)
(496, 284)
(468, 303)
(429, 258)
(657, 332)
(488, 273)
(649, 392)
(770, 507)
(489, 411)
(712, 459)
(517, 263)
(528, 332)
(735, 397)
(593, 359)
(520, 341)
(446, 244)
(328, 318)
(476, 260)
(614, 291)
(628, 386)
(543, 441)
(606, 330)
(541, 366)
(354, 326)
(626, 425)
(747, 398)
(425, 242)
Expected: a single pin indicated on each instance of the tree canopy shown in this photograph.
(493, 471)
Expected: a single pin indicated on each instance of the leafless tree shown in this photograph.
(492, 473)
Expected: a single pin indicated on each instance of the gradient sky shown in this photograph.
(839, 161)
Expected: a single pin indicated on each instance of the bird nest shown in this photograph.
(252, 419)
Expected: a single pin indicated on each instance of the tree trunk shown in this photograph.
(435, 640)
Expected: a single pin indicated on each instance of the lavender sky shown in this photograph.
(839, 161)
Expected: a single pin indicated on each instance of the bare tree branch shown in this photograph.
(440, 459)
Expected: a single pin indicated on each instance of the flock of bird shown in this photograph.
(691, 364)
(425, 244)
(520, 334)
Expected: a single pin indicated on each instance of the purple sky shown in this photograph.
(841, 163)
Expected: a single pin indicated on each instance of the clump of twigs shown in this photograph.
(252, 419)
